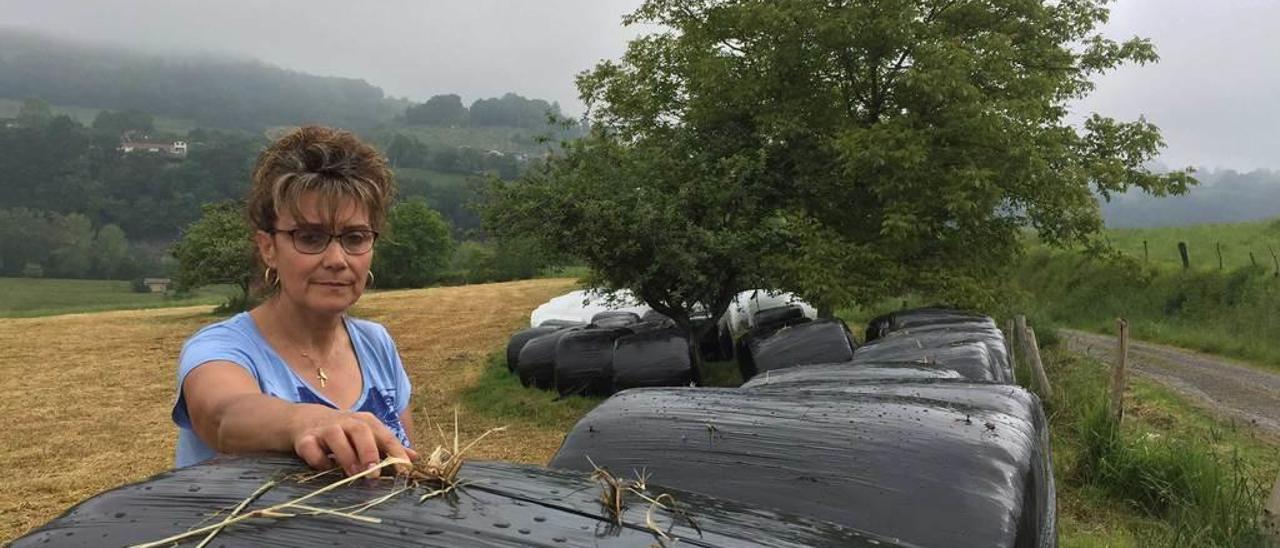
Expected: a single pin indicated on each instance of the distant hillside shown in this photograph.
(210, 92)
(1223, 196)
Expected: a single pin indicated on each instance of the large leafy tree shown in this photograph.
(415, 248)
(217, 249)
(848, 150)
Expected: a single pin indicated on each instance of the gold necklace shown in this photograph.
(320, 376)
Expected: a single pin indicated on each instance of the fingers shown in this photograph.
(335, 440)
(366, 446)
(310, 451)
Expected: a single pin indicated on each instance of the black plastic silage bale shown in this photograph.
(500, 504)
(836, 374)
(584, 361)
(918, 317)
(932, 464)
(522, 337)
(614, 318)
(768, 322)
(978, 355)
(821, 341)
(537, 362)
(652, 358)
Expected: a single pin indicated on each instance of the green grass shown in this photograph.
(1237, 240)
(26, 297)
(1230, 313)
(85, 115)
(1170, 474)
(499, 395)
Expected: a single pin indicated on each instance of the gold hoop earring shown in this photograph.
(266, 277)
(368, 281)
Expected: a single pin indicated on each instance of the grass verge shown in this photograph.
(1169, 474)
(499, 395)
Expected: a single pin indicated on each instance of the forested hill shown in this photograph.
(211, 92)
(1223, 196)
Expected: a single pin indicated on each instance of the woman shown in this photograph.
(296, 374)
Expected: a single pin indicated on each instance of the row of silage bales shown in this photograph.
(911, 449)
(969, 344)
(506, 504)
(613, 349)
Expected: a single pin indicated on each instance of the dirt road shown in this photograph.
(1230, 388)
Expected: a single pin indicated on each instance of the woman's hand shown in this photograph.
(355, 442)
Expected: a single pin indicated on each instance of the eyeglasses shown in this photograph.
(313, 241)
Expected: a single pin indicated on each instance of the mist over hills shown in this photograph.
(213, 91)
(1223, 196)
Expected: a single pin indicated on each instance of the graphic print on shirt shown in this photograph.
(380, 403)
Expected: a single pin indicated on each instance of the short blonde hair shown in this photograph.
(333, 163)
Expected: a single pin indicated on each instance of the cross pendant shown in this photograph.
(324, 379)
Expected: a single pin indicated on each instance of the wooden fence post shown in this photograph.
(1037, 365)
(1008, 349)
(1218, 245)
(1186, 258)
(1146, 252)
(1252, 260)
(1118, 380)
(1031, 350)
(1271, 514)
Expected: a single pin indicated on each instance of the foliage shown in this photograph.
(847, 151)
(415, 248)
(110, 251)
(117, 123)
(217, 249)
(440, 110)
(34, 113)
(500, 261)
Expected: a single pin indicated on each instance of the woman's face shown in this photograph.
(327, 282)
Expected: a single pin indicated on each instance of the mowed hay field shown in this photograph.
(87, 396)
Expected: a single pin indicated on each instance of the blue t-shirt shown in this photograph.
(237, 340)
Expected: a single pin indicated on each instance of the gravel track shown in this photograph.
(1227, 387)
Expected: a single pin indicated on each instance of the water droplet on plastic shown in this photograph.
(539, 519)
(119, 515)
(502, 525)
(524, 531)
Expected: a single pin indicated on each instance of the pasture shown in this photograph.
(88, 396)
(1237, 241)
(27, 297)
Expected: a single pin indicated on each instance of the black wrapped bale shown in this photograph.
(930, 464)
(652, 358)
(836, 374)
(501, 505)
(978, 355)
(536, 365)
(919, 317)
(772, 319)
(614, 318)
(584, 362)
(522, 337)
(768, 322)
(822, 341)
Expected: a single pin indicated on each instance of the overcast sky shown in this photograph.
(1215, 94)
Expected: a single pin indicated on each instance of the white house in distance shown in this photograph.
(175, 148)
